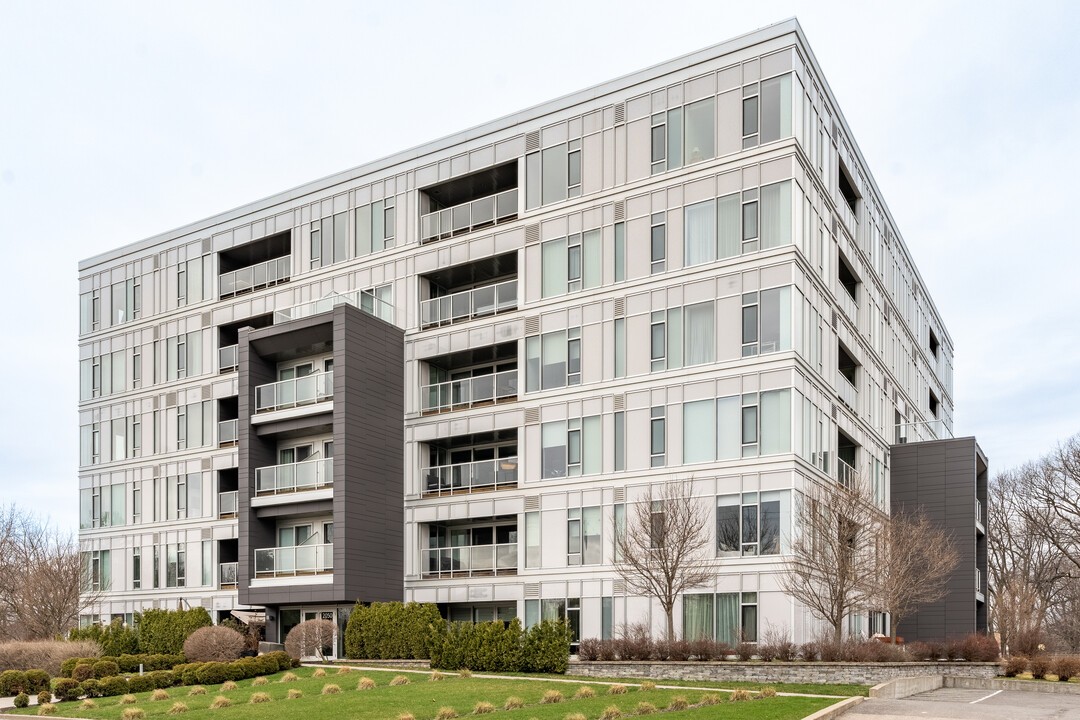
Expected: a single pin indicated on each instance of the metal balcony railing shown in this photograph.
(227, 573)
(254, 277)
(469, 392)
(227, 504)
(294, 477)
(846, 475)
(296, 560)
(296, 392)
(359, 299)
(478, 302)
(228, 357)
(471, 561)
(227, 431)
(471, 477)
(468, 216)
(847, 392)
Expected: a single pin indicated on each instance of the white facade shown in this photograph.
(687, 319)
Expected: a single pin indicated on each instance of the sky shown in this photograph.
(122, 120)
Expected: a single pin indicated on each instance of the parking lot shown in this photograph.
(954, 703)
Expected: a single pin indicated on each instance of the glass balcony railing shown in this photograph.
(227, 431)
(358, 299)
(979, 513)
(482, 560)
(471, 477)
(978, 581)
(297, 560)
(296, 392)
(478, 302)
(846, 474)
(294, 477)
(228, 357)
(847, 216)
(227, 504)
(847, 392)
(469, 392)
(227, 574)
(254, 277)
(923, 431)
(469, 216)
(847, 304)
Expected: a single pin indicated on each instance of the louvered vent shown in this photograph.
(155, 262)
(532, 590)
(170, 399)
(207, 533)
(206, 246)
(619, 306)
(620, 402)
(532, 325)
(532, 416)
(532, 234)
(836, 226)
(532, 141)
(618, 587)
(620, 113)
(834, 319)
(834, 413)
(206, 463)
(207, 319)
(157, 538)
(532, 502)
(620, 211)
(619, 496)
(206, 392)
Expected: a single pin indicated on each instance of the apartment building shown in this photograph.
(445, 375)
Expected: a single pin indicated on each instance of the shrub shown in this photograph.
(211, 673)
(767, 692)
(220, 702)
(310, 639)
(611, 712)
(294, 694)
(22, 700)
(1028, 643)
(809, 651)
(259, 681)
(114, 639)
(37, 680)
(111, 687)
(645, 708)
(365, 683)
(436, 676)
(1067, 667)
(164, 631)
(178, 708)
(513, 703)
(159, 695)
(197, 690)
(584, 693)
(710, 699)
(44, 697)
(491, 646)
(744, 651)
(483, 708)
(918, 651)
(66, 689)
(229, 685)
(319, 672)
(1038, 666)
(678, 703)
(551, 697)
(140, 683)
(589, 649)
(46, 709)
(189, 675)
(12, 682)
(284, 661)
(289, 677)
(259, 697)
(616, 689)
(132, 714)
(741, 695)
(546, 648)
(391, 630)
(127, 700)
(978, 647)
(82, 671)
(92, 688)
(445, 713)
(48, 655)
(634, 643)
(87, 705)
(213, 643)
(163, 678)
(399, 680)
(331, 689)
(647, 686)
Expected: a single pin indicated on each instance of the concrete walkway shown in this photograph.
(964, 704)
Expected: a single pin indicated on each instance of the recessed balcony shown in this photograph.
(296, 392)
(227, 574)
(470, 392)
(295, 561)
(469, 216)
(471, 561)
(227, 432)
(294, 477)
(468, 477)
(227, 504)
(469, 304)
(255, 277)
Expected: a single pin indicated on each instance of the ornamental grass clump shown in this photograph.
(87, 705)
(399, 680)
(575, 716)
(133, 714)
(767, 692)
(331, 689)
(294, 694)
(611, 712)
(465, 673)
(319, 672)
(344, 670)
(159, 695)
(50, 709)
(196, 690)
(365, 683)
(710, 699)
(513, 703)
(741, 695)
(127, 700)
(289, 677)
(406, 716)
(259, 697)
(551, 697)
(178, 708)
(435, 676)
(445, 713)
(259, 682)
(229, 685)
(483, 708)
(678, 703)
(616, 689)
(645, 708)
(647, 686)
(220, 702)
(584, 693)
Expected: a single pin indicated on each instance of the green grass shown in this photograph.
(840, 689)
(423, 699)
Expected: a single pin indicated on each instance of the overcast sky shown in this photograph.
(123, 120)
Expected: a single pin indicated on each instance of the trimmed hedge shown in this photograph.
(116, 638)
(390, 630)
(125, 663)
(164, 631)
(37, 681)
(498, 647)
(12, 682)
(66, 689)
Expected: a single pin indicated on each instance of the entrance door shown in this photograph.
(329, 651)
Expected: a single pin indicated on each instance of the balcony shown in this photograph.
(922, 431)
(846, 475)
(365, 301)
(980, 522)
(227, 433)
(228, 358)
(294, 561)
(469, 216)
(979, 585)
(847, 392)
(297, 392)
(847, 217)
(471, 477)
(227, 573)
(469, 392)
(848, 306)
(469, 304)
(470, 561)
(294, 477)
(254, 277)
(227, 504)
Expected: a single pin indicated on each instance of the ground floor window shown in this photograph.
(480, 613)
(290, 617)
(726, 617)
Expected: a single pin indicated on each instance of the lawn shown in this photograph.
(839, 689)
(423, 699)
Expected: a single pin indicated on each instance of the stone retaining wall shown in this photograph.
(780, 672)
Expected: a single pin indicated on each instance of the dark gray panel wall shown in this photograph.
(942, 477)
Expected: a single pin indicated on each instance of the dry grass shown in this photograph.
(575, 716)
(259, 697)
(645, 708)
(319, 672)
(711, 699)
(344, 670)
(767, 692)
(220, 702)
(289, 677)
(294, 694)
(196, 690)
(406, 716)
(159, 695)
(551, 697)
(616, 690)
(178, 708)
(45, 655)
(87, 705)
(229, 685)
(584, 693)
(399, 680)
(445, 713)
(259, 682)
(46, 709)
(331, 689)
(133, 714)
(513, 703)
(465, 673)
(741, 695)
(647, 686)
(127, 700)
(483, 708)
(611, 712)
(436, 676)
(678, 703)
(365, 683)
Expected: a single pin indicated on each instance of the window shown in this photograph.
(103, 375)
(375, 227)
(583, 527)
(89, 312)
(553, 174)
(934, 345)
(699, 233)
(658, 243)
(620, 441)
(620, 529)
(90, 444)
(183, 496)
(207, 563)
(752, 523)
(749, 617)
(571, 264)
(195, 425)
(620, 252)
(194, 281)
(532, 540)
(136, 503)
(97, 570)
(183, 357)
(175, 565)
(329, 240)
(766, 321)
(620, 347)
(553, 360)
(136, 568)
(656, 524)
(657, 437)
(740, 427)
(555, 168)
(157, 567)
(126, 301)
(606, 617)
(699, 431)
(683, 135)
(670, 345)
(571, 447)
(568, 609)
(767, 111)
(934, 405)
(698, 617)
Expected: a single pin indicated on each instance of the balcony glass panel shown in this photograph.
(227, 432)
(296, 560)
(469, 392)
(227, 574)
(484, 560)
(848, 394)
(467, 216)
(468, 304)
(228, 357)
(227, 504)
(254, 277)
(294, 477)
(364, 300)
(296, 392)
(470, 477)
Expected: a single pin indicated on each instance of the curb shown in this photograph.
(906, 687)
(1032, 686)
(836, 710)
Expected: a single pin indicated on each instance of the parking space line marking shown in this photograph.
(985, 698)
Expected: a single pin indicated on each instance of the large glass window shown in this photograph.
(698, 617)
(553, 360)
(374, 227)
(572, 264)
(657, 437)
(699, 334)
(699, 431)
(571, 447)
(729, 226)
(752, 523)
(532, 539)
(766, 321)
(776, 215)
(775, 108)
(583, 528)
(699, 233)
(700, 130)
(555, 169)
(658, 243)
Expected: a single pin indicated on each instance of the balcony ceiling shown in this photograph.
(474, 274)
(475, 185)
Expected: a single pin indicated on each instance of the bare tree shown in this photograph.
(311, 638)
(915, 558)
(1053, 485)
(666, 549)
(832, 551)
(43, 584)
